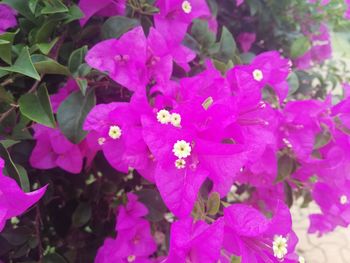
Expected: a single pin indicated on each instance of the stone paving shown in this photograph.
(330, 248)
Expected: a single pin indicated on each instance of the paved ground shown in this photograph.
(330, 248)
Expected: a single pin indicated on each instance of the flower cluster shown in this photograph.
(205, 130)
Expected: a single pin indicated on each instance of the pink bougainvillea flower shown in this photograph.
(134, 60)
(124, 59)
(52, 149)
(246, 40)
(323, 2)
(13, 201)
(134, 242)
(195, 241)
(7, 17)
(300, 123)
(255, 238)
(347, 12)
(130, 213)
(187, 143)
(102, 7)
(239, 2)
(115, 129)
(176, 15)
(267, 68)
(335, 207)
(321, 48)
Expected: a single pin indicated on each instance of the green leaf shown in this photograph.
(227, 46)
(6, 96)
(53, 258)
(74, 13)
(23, 177)
(81, 215)
(286, 166)
(11, 168)
(22, 6)
(44, 48)
(53, 7)
(37, 107)
(202, 34)
(213, 203)
(288, 192)
(23, 65)
(207, 103)
(322, 139)
(235, 259)
(116, 26)
(6, 41)
(153, 201)
(72, 113)
(76, 59)
(83, 84)
(43, 34)
(299, 47)
(293, 83)
(8, 143)
(33, 5)
(46, 65)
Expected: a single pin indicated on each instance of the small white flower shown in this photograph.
(176, 119)
(115, 132)
(180, 163)
(279, 247)
(182, 149)
(343, 199)
(186, 7)
(131, 258)
(301, 259)
(164, 116)
(101, 140)
(258, 75)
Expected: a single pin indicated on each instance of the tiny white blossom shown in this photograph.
(279, 247)
(164, 116)
(182, 149)
(176, 119)
(186, 7)
(343, 199)
(114, 132)
(258, 75)
(180, 163)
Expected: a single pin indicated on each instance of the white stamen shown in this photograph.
(101, 140)
(180, 163)
(164, 116)
(186, 7)
(115, 132)
(343, 199)
(176, 119)
(182, 149)
(131, 258)
(279, 247)
(258, 75)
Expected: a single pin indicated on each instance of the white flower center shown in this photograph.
(131, 258)
(343, 199)
(176, 119)
(114, 132)
(186, 7)
(164, 116)
(279, 247)
(301, 259)
(258, 75)
(182, 149)
(101, 140)
(180, 163)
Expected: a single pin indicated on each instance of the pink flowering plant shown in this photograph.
(171, 131)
